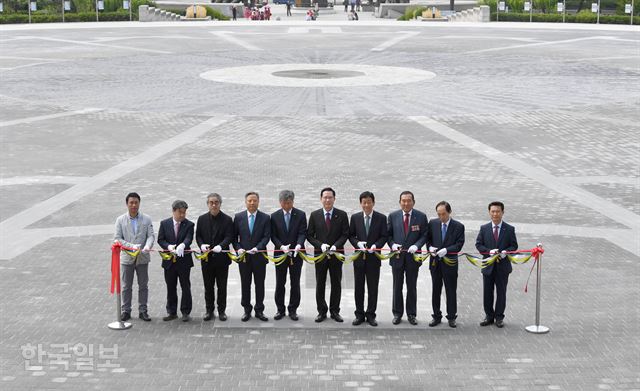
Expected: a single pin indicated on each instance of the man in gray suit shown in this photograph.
(134, 230)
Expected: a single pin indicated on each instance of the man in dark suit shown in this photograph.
(252, 231)
(288, 233)
(407, 233)
(328, 232)
(496, 237)
(214, 233)
(445, 237)
(175, 235)
(368, 233)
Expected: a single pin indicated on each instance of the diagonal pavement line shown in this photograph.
(101, 45)
(529, 45)
(558, 185)
(45, 208)
(398, 38)
(46, 117)
(226, 35)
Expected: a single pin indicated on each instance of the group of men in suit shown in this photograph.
(406, 231)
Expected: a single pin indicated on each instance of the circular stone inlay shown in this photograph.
(317, 75)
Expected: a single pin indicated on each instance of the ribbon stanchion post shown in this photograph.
(116, 288)
(538, 328)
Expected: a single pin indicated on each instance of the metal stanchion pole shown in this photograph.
(119, 324)
(537, 328)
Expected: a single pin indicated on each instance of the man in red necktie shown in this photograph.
(328, 232)
(407, 230)
(496, 238)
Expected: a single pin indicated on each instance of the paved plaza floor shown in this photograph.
(542, 117)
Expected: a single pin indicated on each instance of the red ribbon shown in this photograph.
(535, 253)
(115, 267)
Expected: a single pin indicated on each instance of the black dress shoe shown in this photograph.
(337, 318)
(372, 322)
(413, 320)
(261, 316)
(222, 316)
(293, 316)
(144, 316)
(321, 317)
(186, 318)
(357, 321)
(125, 316)
(396, 320)
(486, 322)
(170, 317)
(279, 315)
(500, 323)
(208, 316)
(434, 322)
(452, 323)
(245, 317)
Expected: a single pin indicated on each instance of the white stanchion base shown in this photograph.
(119, 325)
(537, 329)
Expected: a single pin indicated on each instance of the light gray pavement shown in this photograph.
(544, 118)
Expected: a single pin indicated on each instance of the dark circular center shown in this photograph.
(317, 74)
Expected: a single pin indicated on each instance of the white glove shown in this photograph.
(285, 249)
(493, 252)
(116, 241)
(332, 249)
(372, 249)
(217, 249)
(253, 251)
(204, 248)
(324, 247)
(298, 247)
(180, 250)
(432, 249)
(412, 249)
(362, 245)
(503, 254)
(396, 247)
(146, 249)
(442, 252)
(241, 251)
(172, 248)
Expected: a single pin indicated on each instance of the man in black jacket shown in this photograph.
(328, 232)
(214, 233)
(175, 235)
(445, 238)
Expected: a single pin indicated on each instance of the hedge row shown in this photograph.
(68, 17)
(582, 17)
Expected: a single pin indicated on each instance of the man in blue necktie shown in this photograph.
(252, 231)
(288, 233)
